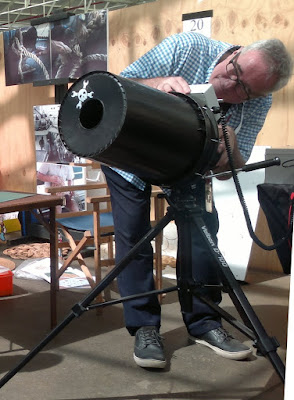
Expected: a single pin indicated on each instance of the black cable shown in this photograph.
(241, 197)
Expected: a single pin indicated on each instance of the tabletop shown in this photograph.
(15, 201)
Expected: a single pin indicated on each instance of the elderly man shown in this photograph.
(244, 78)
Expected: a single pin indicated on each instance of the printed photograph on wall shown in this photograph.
(27, 54)
(55, 164)
(79, 45)
(49, 147)
(67, 48)
(52, 174)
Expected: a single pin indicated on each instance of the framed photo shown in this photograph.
(66, 48)
(49, 147)
(54, 163)
(53, 174)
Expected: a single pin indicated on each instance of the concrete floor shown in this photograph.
(91, 358)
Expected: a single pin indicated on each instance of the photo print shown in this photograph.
(67, 48)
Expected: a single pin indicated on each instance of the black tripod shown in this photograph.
(186, 208)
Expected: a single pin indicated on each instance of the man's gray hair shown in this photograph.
(276, 55)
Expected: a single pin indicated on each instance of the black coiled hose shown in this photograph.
(242, 200)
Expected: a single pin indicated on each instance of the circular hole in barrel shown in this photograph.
(91, 113)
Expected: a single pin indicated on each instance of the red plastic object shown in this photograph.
(6, 284)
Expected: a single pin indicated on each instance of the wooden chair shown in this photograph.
(78, 231)
(95, 228)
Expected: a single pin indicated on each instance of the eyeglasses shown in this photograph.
(233, 74)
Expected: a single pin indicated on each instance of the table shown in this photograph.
(11, 201)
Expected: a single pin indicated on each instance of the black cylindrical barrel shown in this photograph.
(159, 137)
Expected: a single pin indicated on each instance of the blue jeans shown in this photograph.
(131, 213)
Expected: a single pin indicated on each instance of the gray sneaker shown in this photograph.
(223, 344)
(148, 351)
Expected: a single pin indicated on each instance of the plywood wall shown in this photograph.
(17, 152)
(132, 32)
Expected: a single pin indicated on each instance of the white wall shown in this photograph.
(289, 383)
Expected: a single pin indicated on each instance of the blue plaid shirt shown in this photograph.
(193, 57)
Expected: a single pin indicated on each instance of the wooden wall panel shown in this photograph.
(132, 32)
(135, 30)
(17, 146)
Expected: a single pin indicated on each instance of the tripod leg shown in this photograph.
(184, 262)
(81, 307)
(37, 349)
(264, 343)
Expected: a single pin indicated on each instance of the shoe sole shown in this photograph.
(149, 363)
(232, 355)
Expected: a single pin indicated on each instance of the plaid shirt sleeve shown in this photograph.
(187, 54)
(162, 60)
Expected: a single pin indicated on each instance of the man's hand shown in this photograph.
(57, 180)
(167, 84)
(223, 162)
